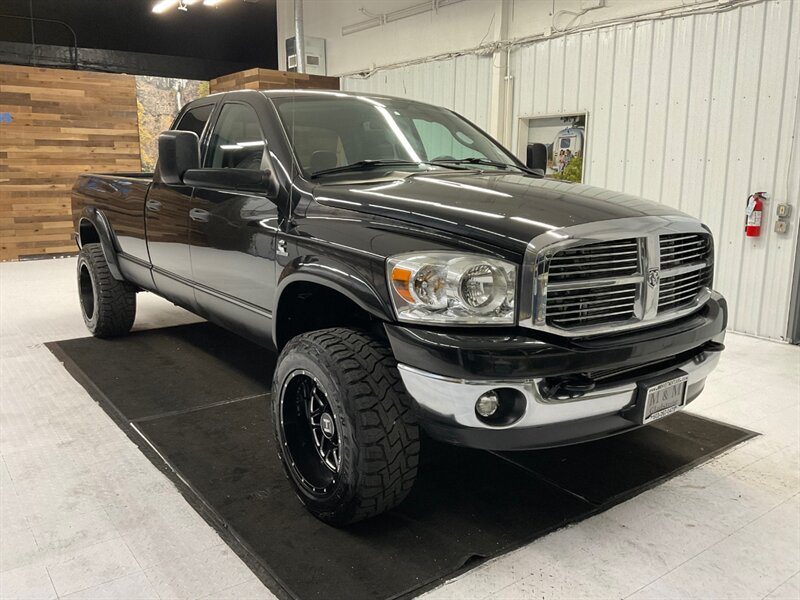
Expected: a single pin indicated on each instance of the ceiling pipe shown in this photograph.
(299, 37)
(396, 15)
(73, 48)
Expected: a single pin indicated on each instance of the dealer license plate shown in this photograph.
(663, 399)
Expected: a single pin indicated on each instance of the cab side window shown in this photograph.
(237, 140)
(195, 119)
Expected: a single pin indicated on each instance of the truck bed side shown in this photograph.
(115, 202)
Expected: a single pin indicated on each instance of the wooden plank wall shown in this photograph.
(65, 122)
(267, 79)
(62, 123)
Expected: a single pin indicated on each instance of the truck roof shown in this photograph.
(299, 93)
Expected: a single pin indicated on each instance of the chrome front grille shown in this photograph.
(591, 305)
(605, 259)
(601, 278)
(678, 249)
(681, 290)
(579, 304)
(685, 269)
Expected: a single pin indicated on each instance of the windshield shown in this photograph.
(329, 130)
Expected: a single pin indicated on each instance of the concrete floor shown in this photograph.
(85, 515)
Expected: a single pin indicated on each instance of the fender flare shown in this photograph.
(100, 223)
(336, 276)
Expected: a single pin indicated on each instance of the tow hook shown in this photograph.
(713, 347)
(569, 386)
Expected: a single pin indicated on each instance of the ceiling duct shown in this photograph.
(299, 37)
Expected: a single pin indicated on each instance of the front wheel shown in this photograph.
(344, 424)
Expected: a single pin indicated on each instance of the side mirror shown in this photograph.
(234, 180)
(536, 157)
(178, 152)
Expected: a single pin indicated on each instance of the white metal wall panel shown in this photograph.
(462, 84)
(635, 134)
(658, 110)
(696, 112)
(619, 111)
(777, 115)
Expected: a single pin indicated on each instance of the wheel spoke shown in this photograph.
(331, 457)
(319, 437)
(335, 454)
(317, 404)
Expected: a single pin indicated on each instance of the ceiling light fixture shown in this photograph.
(164, 5)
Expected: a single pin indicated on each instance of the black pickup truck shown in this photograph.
(413, 274)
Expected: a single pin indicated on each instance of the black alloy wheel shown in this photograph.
(311, 434)
(344, 425)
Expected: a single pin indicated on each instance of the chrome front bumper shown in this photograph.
(452, 401)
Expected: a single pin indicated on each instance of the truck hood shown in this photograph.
(503, 209)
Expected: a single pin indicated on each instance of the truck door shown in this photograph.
(232, 234)
(167, 223)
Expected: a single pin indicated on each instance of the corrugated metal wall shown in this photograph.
(461, 84)
(696, 112)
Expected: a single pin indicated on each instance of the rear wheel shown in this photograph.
(108, 305)
(346, 433)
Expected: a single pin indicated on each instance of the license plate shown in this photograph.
(664, 398)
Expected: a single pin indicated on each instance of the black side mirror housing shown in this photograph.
(178, 152)
(536, 157)
(235, 180)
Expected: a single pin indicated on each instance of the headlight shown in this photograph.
(443, 287)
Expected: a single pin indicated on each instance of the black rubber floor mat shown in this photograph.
(195, 399)
(611, 470)
(172, 369)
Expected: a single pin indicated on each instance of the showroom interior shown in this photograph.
(378, 299)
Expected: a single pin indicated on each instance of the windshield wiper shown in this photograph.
(366, 165)
(474, 160)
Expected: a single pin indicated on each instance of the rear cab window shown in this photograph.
(195, 119)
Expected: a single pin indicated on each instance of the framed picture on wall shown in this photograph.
(566, 139)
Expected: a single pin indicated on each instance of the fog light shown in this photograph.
(487, 404)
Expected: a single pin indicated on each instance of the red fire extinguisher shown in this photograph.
(755, 206)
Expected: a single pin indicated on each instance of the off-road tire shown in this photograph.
(108, 306)
(378, 432)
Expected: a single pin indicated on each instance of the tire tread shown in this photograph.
(386, 426)
(115, 301)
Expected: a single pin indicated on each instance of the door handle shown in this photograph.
(199, 215)
(153, 205)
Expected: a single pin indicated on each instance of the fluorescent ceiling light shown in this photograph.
(164, 5)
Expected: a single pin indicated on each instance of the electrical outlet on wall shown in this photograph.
(590, 4)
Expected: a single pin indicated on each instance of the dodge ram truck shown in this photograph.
(413, 275)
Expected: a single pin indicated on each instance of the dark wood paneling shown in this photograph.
(267, 79)
(62, 123)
